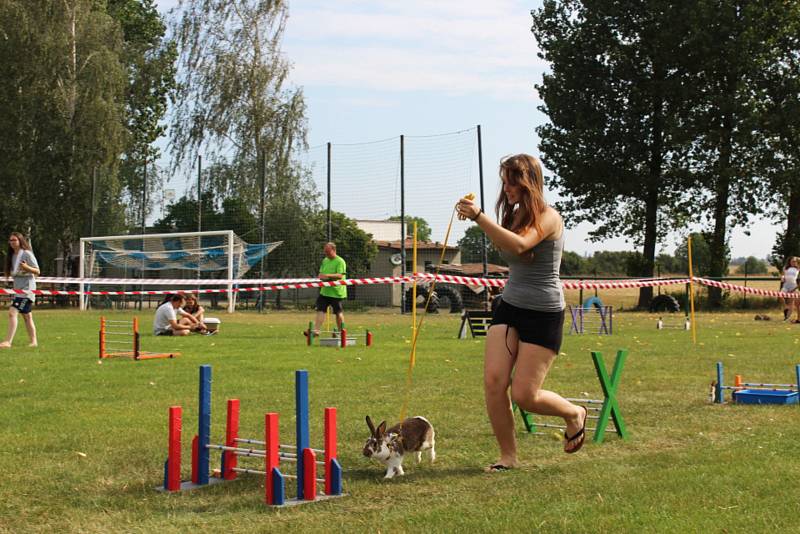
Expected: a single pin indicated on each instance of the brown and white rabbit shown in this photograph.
(415, 434)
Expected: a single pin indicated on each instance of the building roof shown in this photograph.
(423, 245)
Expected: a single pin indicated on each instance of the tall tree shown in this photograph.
(149, 59)
(613, 95)
(234, 104)
(729, 48)
(61, 112)
(779, 85)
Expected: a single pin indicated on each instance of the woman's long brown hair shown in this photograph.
(526, 172)
(23, 245)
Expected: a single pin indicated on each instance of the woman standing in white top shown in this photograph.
(788, 285)
(21, 265)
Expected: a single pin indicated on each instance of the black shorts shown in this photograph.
(22, 304)
(167, 332)
(536, 327)
(323, 302)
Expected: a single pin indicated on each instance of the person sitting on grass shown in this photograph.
(166, 321)
(193, 308)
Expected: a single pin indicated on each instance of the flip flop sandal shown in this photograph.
(497, 468)
(580, 435)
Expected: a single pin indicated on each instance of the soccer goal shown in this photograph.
(219, 255)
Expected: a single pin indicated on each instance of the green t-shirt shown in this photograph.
(333, 266)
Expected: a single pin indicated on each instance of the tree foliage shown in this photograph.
(150, 63)
(423, 228)
(703, 259)
(730, 50)
(61, 116)
(227, 214)
(471, 246)
(233, 104)
(779, 84)
(753, 265)
(613, 97)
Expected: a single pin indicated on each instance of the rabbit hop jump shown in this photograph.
(602, 411)
(341, 338)
(753, 392)
(592, 318)
(115, 341)
(302, 455)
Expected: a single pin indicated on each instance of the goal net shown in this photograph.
(190, 255)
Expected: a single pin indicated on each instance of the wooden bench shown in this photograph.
(478, 322)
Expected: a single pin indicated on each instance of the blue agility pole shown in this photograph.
(204, 425)
(303, 439)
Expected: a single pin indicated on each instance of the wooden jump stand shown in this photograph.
(114, 343)
(478, 322)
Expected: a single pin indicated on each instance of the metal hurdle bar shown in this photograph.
(581, 317)
(600, 409)
(343, 339)
(720, 387)
(275, 481)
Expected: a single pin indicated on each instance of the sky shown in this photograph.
(375, 70)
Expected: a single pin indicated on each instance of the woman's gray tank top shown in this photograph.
(533, 283)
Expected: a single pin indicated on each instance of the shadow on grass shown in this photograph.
(413, 474)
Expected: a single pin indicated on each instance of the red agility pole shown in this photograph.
(344, 338)
(330, 446)
(271, 457)
(195, 459)
(174, 458)
(309, 475)
(231, 433)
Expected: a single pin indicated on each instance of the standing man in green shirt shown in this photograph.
(333, 267)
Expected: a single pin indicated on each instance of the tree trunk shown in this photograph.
(791, 243)
(717, 265)
(651, 200)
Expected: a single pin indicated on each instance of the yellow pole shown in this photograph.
(414, 296)
(691, 291)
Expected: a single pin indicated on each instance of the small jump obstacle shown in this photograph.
(598, 410)
(301, 454)
(115, 340)
(592, 320)
(341, 338)
(755, 393)
(478, 322)
(685, 325)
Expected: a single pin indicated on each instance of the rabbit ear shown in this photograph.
(370, 425)
(381, 428)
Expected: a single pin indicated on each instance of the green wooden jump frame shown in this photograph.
(610, 404)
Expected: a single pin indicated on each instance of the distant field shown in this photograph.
(628, 298)
(83, 444)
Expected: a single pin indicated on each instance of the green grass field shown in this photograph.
(83, 443)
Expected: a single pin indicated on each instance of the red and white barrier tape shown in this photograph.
(751, 290)
(311, 283)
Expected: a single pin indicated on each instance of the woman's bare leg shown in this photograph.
(500, 354)
(533, 363)
(31, 327)
(12, 328)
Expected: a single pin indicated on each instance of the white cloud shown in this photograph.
(448, 46)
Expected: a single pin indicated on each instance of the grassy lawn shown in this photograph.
(83, 443)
